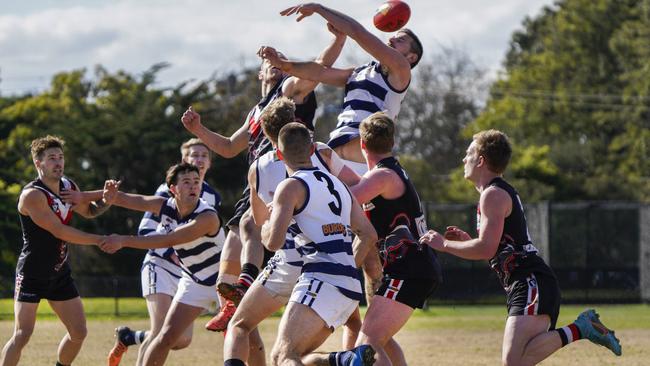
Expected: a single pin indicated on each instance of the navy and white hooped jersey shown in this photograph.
(367, 91)
(270, 171)
(324, 237)
(150, 221)
(43, 255)
(200, 257)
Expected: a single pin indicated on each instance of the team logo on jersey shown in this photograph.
(369, 206)
(334, 229)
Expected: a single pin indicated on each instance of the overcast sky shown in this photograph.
(200, 37)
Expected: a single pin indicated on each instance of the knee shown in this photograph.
(165, 340)
(78, 333)
(239, 325)
(182, 342)
(21, 336)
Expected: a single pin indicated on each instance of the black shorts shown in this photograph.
(240, 208)
(535, 294)
(32, 290)
(409, 292)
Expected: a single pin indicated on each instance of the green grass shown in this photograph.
(449, 335)
(634, 316)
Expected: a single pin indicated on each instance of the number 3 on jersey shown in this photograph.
(334, 206)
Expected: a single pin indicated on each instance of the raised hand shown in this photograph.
(303, 10)
(111, 244)
(456, 234)
(111, 188)
(270, 54)
(191, 120)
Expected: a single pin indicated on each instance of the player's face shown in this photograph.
(188, 188)
(52, 163)
(199, 156)
(401, 42)
(270, 73)
(470, 161)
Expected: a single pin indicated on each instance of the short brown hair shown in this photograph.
(185, 148)
(495, 148)
(294, 142)
(276, 115)
(41, 144)
(174, 171)
(416, 45)
(378, 133)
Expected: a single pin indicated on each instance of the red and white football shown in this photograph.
(392, 15)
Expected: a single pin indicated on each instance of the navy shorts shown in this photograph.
(32, 290)
(534, 294)
(240, 208)
(413, 292)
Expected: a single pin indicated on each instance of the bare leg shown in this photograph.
(383, 320)
(258, 304)
(296, 341)
(251, 237)
(179, 317)
(527, 341)
(230, 265)
(71, 313)
(23, 329)
(351, 330)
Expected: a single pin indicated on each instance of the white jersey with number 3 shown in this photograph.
(270, 172)
(325, 237)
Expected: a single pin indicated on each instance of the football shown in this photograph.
(392, 15)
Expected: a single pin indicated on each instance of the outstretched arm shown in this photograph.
(206, 223)
(297, 88)
(92, 203)
(309, 70)
(227, 147)
(386, 55)
(495, 205)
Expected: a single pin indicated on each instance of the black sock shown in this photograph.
(233, 362)
(248, 274)
(59, 364)
(128, 339)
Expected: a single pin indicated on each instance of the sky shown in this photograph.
(202, 38)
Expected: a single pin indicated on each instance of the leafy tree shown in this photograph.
(574, 97)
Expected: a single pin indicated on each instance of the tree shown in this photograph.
(575, 98)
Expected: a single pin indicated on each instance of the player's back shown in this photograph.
(325, 238)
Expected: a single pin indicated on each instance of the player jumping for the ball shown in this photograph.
(376, 86)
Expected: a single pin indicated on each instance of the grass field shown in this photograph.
(442, 335)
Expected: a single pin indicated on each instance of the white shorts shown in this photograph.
(278, 276)
(194, 294)
(325, 299)
(159, 276)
